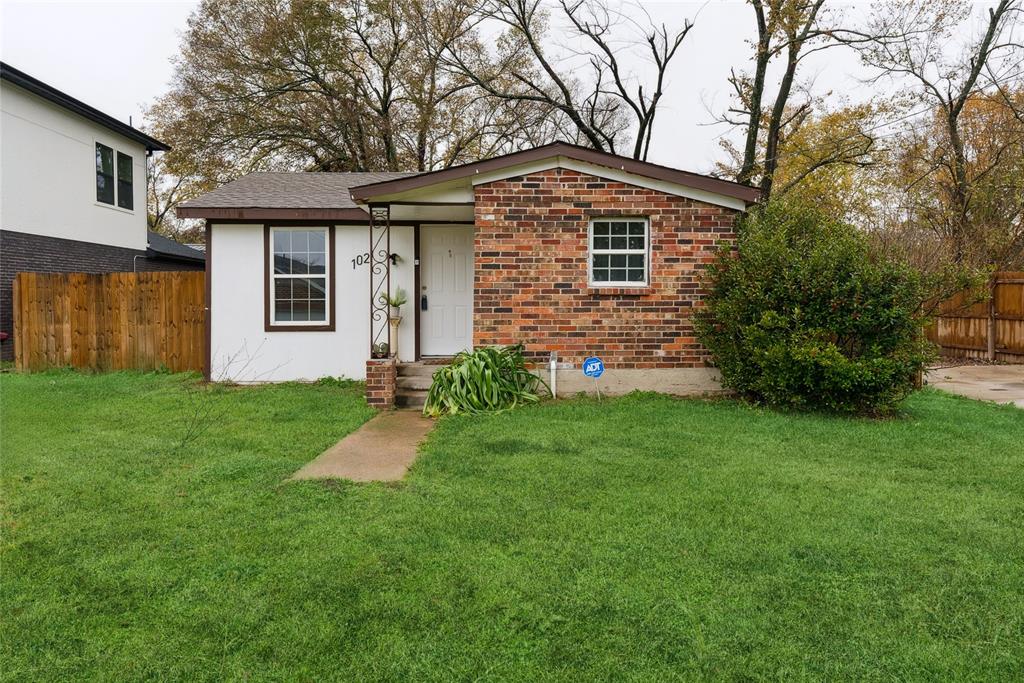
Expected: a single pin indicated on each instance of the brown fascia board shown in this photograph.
(268, 214)
(366, 193)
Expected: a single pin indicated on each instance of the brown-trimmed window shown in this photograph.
(299, 278)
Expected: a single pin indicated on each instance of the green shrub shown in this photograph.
(487, 379)
(804, 315)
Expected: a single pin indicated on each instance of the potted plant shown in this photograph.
(395, 303)
(379, 350)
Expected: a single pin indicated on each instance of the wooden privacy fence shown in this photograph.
(113, 321)
(991, 330)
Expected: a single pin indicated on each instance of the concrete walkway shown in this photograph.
(380, 450)
(999, 383)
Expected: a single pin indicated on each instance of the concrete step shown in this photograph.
(414, 382)
(410, 399)
(417, 369)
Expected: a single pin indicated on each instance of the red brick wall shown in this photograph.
(532, 277)
(380, 383)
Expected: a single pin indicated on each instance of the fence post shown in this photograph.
(19, 348)
(992, 318)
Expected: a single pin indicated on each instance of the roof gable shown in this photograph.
(564, 155)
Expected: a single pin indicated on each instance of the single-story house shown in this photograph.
(566, 250)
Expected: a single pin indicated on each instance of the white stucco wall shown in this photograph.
(48, 174)
(242, 351)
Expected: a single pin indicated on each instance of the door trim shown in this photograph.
(416, 289)
(417, 240)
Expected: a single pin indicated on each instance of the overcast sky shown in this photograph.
(116, 57)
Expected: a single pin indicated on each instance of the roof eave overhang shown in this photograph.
(153, 253)
(61, 99)
(492, 168)
(265, 213)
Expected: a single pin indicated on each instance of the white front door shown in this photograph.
(446, 280)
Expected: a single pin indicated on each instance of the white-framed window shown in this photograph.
(107, 184)
(619, 252)
(299, 271)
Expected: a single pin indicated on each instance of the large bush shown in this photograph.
(805, 315)
(487, 379)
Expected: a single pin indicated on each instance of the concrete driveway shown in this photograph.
(999, 383)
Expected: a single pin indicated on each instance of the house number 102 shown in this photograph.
(360, 260)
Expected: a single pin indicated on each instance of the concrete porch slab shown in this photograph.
(380, 450)
(999, 383)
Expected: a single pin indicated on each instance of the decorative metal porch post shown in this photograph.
(380, 278)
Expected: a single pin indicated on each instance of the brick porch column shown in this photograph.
(381, 379)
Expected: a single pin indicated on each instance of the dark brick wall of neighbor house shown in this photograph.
(24, 253)
(531, 274)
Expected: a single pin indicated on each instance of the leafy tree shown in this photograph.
(958, 164)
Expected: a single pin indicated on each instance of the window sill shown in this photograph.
(619, 291)
(103, 205)
(299, 328)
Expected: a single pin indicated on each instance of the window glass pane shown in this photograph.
(619, 228)
(282, 288)
(618, 275)
(601, 228)
(104, 189)
(316, 242)
(600, 242)
(636, 229)
(600, 260)
(618, 260)
(104, 160)
(317, 310)
(299, 264)
(317, 288)
(104, 174)
(636, 275)
(618, 242)
(300, 288)
(282, 241)
(124, 167)
(282, 263)
(300, 240)
(636, 261)
(636, 242)
(600, 275)
(300, 309)
(316, 263)
(125, 190)
(282, 310)
(125, 195)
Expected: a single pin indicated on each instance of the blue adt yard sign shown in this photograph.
(593, 367)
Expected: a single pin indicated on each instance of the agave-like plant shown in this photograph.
(487, 379)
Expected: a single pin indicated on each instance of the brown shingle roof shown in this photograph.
(289, 191)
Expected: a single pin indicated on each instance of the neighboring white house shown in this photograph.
(72, 190)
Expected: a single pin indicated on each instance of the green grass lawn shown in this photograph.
(644, 538)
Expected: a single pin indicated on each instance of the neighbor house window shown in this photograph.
(125, 196)
(618, 252)
(299, 275)
(104, 174)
